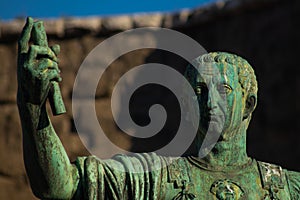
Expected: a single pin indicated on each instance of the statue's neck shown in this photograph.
(228, 153)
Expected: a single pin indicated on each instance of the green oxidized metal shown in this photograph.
(225, 173)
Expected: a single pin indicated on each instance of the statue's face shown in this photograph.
(220, 100)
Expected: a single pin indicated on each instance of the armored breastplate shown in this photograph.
(256, 180)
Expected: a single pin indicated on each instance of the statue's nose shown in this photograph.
(212, 99)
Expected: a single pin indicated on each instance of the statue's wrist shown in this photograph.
(34, 115)
(25, 103)
(23, 98)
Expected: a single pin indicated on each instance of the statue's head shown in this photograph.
(226, 91)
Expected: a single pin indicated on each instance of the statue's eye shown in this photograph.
(224, 88)
(200, 89)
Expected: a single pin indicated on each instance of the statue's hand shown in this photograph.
(37, 66)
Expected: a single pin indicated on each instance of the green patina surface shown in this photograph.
(226, 172)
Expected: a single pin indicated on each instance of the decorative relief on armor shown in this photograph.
(272, 179)
(226, 190)
(184, 193)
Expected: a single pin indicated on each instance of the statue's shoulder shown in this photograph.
(275, 177)
(293, 179)
(176, 168)
(272, 175)
(150, 158)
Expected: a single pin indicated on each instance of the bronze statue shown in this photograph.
(225, 173)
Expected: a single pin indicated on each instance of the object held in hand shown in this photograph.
(39, 37)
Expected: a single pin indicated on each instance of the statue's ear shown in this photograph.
(250, 106)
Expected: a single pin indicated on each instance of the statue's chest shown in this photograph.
(215, 185)
(192, 182)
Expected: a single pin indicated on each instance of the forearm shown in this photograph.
(47, 164)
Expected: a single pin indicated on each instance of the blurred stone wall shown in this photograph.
(264, 32)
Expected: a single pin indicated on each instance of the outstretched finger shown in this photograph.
(23, 44)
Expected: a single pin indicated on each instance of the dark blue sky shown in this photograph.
(10, 9)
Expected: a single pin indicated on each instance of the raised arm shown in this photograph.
(47, 165)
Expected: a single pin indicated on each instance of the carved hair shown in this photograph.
(246, 75)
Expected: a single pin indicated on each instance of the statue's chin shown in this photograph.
(212, 130)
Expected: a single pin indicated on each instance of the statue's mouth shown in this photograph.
(212, 126)
(214, 118)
